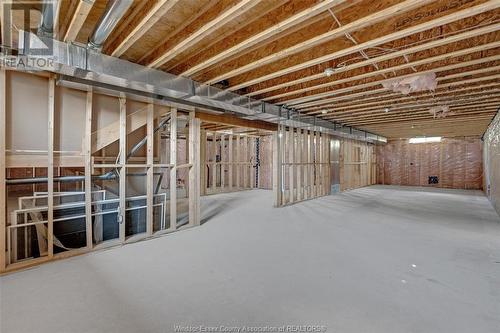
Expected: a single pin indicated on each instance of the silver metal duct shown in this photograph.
(83, 66)
(115, 9)
(47, 20)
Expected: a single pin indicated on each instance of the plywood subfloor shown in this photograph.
(378, 259)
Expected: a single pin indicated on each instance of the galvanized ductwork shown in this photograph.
(84, 66)
(115, 9)
(47, 20)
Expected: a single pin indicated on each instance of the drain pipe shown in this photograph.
(115, 10)
(46, 27)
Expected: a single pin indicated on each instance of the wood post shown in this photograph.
(150, 169)
(238, 162)
(222, 162)
(277, 166)
(3, 201)
(231, 162)
(173, 169)
(194, 170)
(203, 161)
(88, 168)
(213, 166)
(123, 169)
(50, 168)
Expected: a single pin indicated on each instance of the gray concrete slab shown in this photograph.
(377, 259)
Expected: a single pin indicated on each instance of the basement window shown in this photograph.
(426, 140)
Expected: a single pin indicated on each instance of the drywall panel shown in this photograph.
(455, 162)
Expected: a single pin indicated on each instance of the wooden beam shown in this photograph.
(328, 36)
(404, 52)
(88, 168)
(150, 169)
(3, 200)
(50, 168)
(468, 12)
(173, 169)
(142, 24)
(235, 121)
(264, 35)
(204, 31)
(78, 19)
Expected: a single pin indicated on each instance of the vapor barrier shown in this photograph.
(492, 162)
(451, 163)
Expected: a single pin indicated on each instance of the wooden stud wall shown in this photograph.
(357, 165)
(50, 165)
(233, 157)
(303, 165)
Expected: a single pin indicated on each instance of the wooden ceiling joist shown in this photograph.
(78, 19)
(264, 35)
(407, 65)
(487, 100)
(402, 7)
(327, 103)
(315, 100)
(206, 30)
(480, 112)
(423, 115)
(379, 102)
(411, 103)
(389, 56)
(141, 24)
(462, 14)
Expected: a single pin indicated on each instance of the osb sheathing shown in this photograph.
(492, 162)
(456, 162)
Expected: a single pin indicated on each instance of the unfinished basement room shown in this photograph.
(265, 166)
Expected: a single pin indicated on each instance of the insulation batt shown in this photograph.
(492, 162)
(412, 84)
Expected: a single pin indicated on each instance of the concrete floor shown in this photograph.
(378, 259)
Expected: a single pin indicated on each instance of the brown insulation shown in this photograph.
(456, 162)
(492, 162)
